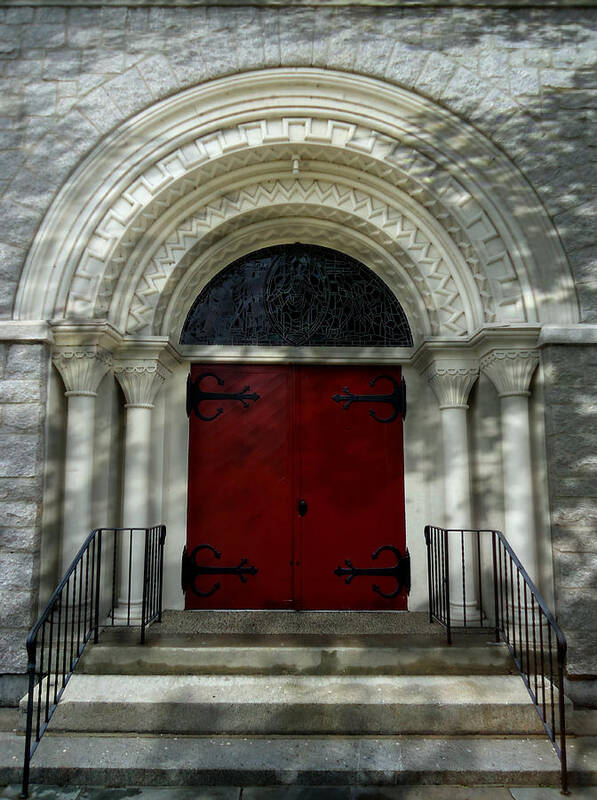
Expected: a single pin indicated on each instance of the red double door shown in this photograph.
(296, 488)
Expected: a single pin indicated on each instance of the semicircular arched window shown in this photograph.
(297, 295)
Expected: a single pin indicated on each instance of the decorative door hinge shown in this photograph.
(191, 570)
(196, 396)
(400, 571)
(397, 399)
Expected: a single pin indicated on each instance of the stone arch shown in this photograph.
(499, 243)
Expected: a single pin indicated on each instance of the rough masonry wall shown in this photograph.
(23, 378)
(526, 78)
(571, 438)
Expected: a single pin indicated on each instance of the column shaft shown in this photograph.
(457, 514)
(457, 476)
(78, 474)
(510, 372)
(519, 512)
(135, 501)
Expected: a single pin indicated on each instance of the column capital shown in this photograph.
(82, 354)
(452, 382)
(81, 368)
(141, 367)
(510, 370)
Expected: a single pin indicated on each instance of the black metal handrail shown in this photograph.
(461, 572)
(85, 599)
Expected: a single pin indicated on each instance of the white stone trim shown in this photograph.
(102, 181)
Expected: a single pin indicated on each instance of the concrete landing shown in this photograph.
(403, 623)
(268, 761)
(279, 704)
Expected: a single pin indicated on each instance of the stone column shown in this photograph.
(511, 371)
(82, 369)
(141, 370)
(451, 383)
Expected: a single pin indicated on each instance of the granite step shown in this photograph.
(305, 704)
(326, 761)
(236, 654)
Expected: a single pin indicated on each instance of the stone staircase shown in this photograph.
(258, 698)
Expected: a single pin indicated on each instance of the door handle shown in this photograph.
(302, 508)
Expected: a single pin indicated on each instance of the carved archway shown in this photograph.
(465, 235)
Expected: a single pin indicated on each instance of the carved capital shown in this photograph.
(82, 354)
(141, 367)
(451, 384)
(510, 371)
(140, 381)
(82, 368)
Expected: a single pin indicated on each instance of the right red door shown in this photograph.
(351, 536)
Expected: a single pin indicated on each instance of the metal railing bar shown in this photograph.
(542, 653)
(526, 633)
(553, 710)
(463, 575)
(115, 576)
(480, 581)
(71, 618)
(519, 612)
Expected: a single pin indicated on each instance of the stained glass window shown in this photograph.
(298, 295)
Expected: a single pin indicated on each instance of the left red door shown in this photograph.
(240, 503)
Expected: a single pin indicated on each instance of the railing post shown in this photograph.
(145, 584)
(429, 588)
(161, 571)
(447, 586)
(562, 709)
(98, 585)
(495, 588)
(31, 666)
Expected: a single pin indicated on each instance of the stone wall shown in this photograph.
(23, 378)
(571, 437)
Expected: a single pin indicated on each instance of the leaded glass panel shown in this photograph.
(298, 295)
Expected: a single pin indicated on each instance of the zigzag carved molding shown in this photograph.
(188, 166)
(418, 254)
(173, 307)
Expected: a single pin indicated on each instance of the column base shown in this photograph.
(124, 614)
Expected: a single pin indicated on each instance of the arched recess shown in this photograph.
(382, 160)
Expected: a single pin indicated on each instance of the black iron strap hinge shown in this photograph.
(396, 398)
(400, 571)
(191, 570)
(196, 395)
